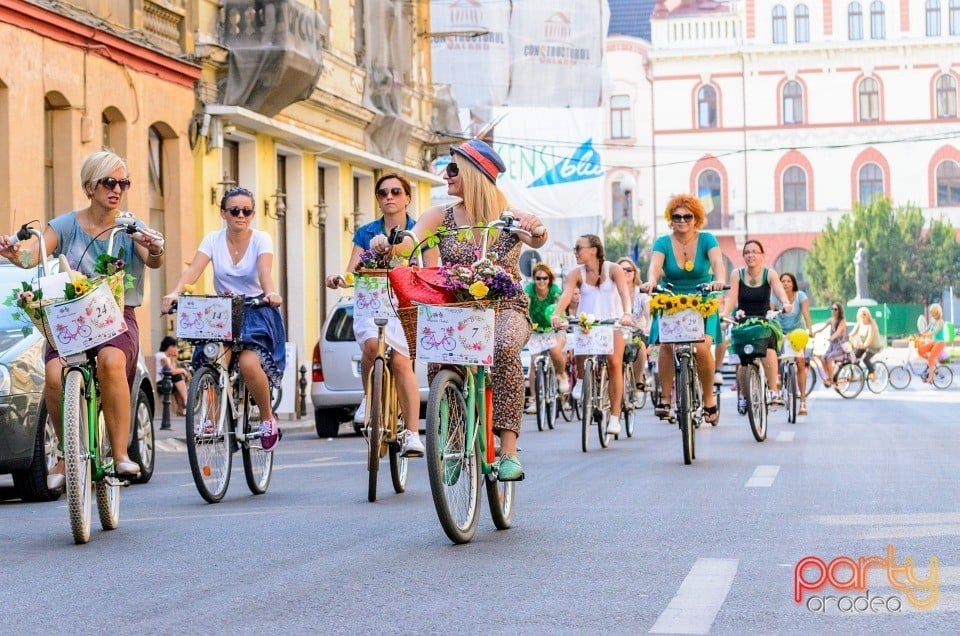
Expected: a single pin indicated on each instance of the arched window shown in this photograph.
(707, 107)
(854, 21)
(871, 182)
(869, 92)
(801, 23)
(877, 20)
(620, 122)
(954, 17)
(709, 190)
(792, 103)
(933, 17)
(946, 97)
(794, 189)
(779, 24)
(948, 184)
(792, 261)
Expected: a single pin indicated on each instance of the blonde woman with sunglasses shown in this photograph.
(640, 307)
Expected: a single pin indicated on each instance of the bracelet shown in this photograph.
(158, 254)
(273, 293)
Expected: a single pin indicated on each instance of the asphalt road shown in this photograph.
(622, 540)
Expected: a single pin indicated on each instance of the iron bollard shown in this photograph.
(165, 389)
(303, 390)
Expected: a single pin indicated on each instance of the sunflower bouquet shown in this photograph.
(672, 304)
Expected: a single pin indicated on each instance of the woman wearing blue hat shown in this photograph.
(472, 176)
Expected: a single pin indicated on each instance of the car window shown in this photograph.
(340, 327)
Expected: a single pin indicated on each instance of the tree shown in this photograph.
(905, 263)
(621, 239)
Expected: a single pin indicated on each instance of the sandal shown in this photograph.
(803, 408)
(662, 410)
(711, 414)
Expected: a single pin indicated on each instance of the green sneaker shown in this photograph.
(509, 468)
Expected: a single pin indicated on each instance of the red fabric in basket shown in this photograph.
(421, 284)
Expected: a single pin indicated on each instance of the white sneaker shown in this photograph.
(613, 425)
(563, 384)
(577, 391)
(530, 408)
(718, 378)
(361, 414)
(412, 446)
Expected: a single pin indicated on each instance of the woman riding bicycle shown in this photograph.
(605, 295)
(544, 293)
(393, 196)
(750, 292)
(838, 337)
(242, 260)
(686, 258)
(932, 340)
(472, 177)
(81, 236)
(866, 340)
(797, 318)
(640, 308)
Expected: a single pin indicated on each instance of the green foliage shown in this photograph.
(619, 239)
(906, 263)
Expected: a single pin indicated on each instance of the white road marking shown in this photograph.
(785, 436)
(171, 445)
(701, 595)
(763, 477)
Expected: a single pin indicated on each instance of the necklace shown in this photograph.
(754, 279)
(687, 262)
(237, 249)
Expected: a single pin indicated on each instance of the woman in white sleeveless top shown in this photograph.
(605, 295)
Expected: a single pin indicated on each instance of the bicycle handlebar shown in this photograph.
(253, 302)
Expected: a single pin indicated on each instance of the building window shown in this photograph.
(618, 203)
(620, 122)
(707, 107)
(855, 21)
(801, 23)
(869, 100)
(709, 188)
(779, 25)
(948, 184)
(877, 29)
(794, 189)
(954, 17)
(946, 97)
(933, 17)
(871, 182)
(792, 103)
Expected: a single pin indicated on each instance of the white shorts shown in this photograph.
(364, 328)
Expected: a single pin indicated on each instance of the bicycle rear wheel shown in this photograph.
(399, 465)
(601, 412)
(628, 408)
(789, 382)
(540, 393)
(586, 403)
(942, 376)
(552, 396)
(209, 445)
(685, 411)
(257, 463)
(375, 427)
(849, 380)
(108, 494)
(756, 401)
(881, 378)
(812, 373)
(501, 496)
(899, 377)
(76, 456)
(452, 466)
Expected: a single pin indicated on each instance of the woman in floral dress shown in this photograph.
(472, 176)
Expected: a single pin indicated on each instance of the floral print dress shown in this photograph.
(511, 328)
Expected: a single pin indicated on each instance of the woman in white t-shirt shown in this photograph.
(242, 260)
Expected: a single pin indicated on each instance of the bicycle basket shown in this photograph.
(750, 339)
(630, 351)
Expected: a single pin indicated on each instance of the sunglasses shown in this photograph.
(682, 218)
(541, 278)
(577, 248)
(452, 169)
(111, 184)
(383, 192)
(628, 270)
(235, 211)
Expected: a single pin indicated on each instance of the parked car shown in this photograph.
(337, 390)
(28, 440)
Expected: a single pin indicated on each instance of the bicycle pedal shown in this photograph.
(113, 480)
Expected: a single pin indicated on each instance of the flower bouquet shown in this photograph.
(667, 304)
(484, 280)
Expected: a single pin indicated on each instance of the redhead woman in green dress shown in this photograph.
(685, 258)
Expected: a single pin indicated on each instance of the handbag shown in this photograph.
(425, 285)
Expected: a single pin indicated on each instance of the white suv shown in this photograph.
(336, 391)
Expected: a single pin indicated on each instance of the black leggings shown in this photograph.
(866, 355)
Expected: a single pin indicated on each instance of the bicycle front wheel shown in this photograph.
(881, 378)
(756, 401)
(209, 446)
(108, 494)
(899, 377)
(627, 405)
(685, 411)
(76, 456)
(552, 396)
(586, 403)
(849, 380)
(452, 466)
(942, 376)
(540, 393)
(601, 412)
(375, 426)
(257, 463)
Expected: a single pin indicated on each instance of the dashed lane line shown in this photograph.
(701, 595)
(763, 476)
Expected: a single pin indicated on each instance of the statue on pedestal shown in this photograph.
(860, 265)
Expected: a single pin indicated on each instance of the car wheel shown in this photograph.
(142, 447)
(31, 484)
(327, 422)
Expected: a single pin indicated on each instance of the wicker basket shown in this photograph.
(379, 273)
(408, 320)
